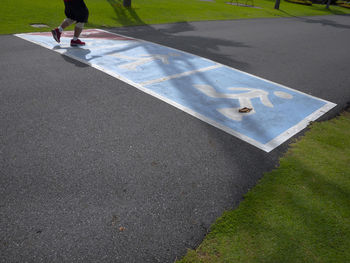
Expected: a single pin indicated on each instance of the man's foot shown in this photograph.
(56, 34)
(77, 42)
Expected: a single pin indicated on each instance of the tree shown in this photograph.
(127, 3)
(277, 4)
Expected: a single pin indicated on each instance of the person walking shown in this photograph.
(76, 12)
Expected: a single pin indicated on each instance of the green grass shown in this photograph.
(300, 212)
(16, 16)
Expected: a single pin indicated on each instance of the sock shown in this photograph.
(75, 38)
(60, 29)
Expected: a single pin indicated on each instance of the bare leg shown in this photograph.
(56, 33)
(77, 31)
(67, 22)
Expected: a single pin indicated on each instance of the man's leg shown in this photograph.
(56, 33)
(77, 31)
(67, 22)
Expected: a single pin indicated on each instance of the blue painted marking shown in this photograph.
(284, 114)
(201, 87)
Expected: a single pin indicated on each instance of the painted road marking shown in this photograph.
(203, 88)
(153, 81)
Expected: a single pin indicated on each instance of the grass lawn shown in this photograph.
(299, 212)
(16, 16)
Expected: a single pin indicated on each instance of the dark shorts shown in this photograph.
(76, 10)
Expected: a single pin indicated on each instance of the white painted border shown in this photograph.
(265, 147)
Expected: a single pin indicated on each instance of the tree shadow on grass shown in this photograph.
(125, 15)
(299, 218)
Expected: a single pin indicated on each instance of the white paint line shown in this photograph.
(300, 126)
(153, 81)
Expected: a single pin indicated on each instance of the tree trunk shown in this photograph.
(328, 3)
(127, 3)
(277, 4)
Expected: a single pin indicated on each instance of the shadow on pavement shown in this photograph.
(317, 20)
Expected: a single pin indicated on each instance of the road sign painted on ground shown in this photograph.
(203, 88)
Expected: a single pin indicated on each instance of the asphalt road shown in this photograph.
(94, 170)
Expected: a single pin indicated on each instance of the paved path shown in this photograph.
(93, 169)
(201, 87)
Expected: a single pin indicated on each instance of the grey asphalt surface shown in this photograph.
(83, 154)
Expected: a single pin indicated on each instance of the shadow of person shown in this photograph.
(80, 54)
